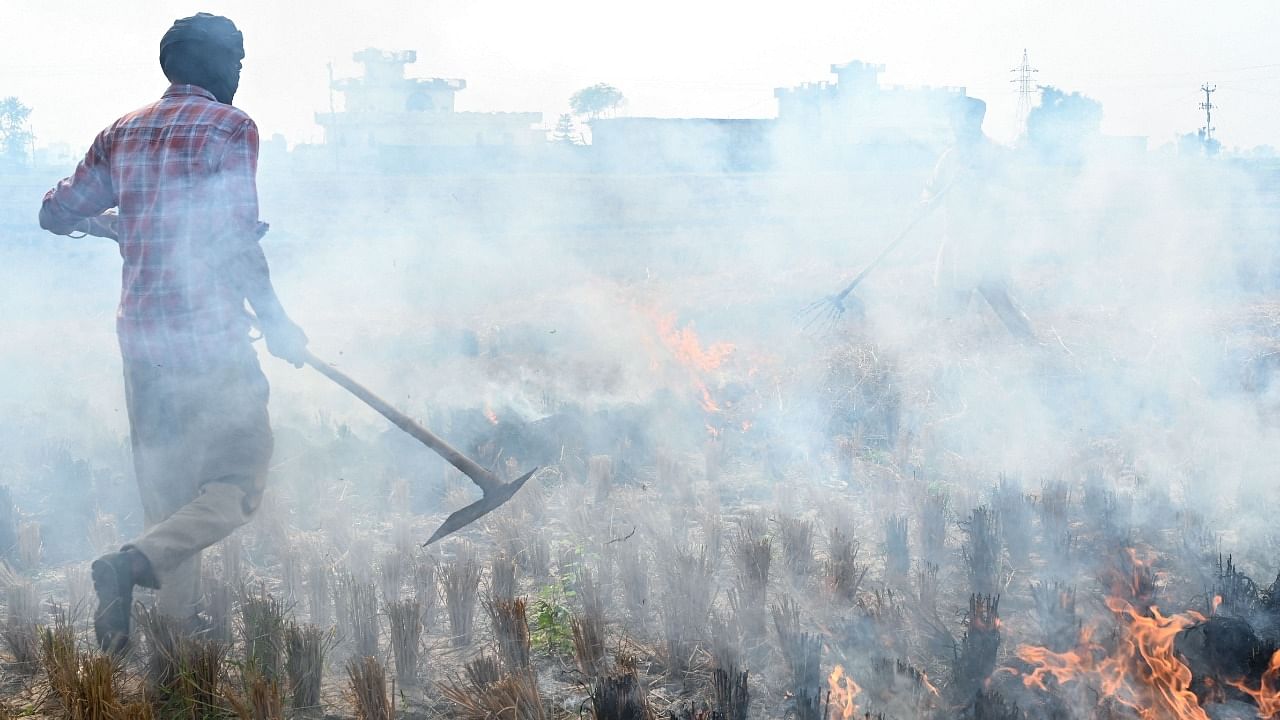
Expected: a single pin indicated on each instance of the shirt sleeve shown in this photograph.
(247, 264)
(238, 175)
(86, 193)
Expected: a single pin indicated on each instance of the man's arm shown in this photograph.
(75, 201)
(246, 263)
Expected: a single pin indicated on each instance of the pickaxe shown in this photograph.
(495, 491)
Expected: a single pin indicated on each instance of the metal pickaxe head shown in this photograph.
(494, 496)
(495, 491)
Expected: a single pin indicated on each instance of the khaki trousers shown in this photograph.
(201, 448)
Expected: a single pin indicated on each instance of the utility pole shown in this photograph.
(331, 110)
(1025, 90)
(1208, 107)
(333, 116)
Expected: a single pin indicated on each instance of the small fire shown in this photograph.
(709, 369)
(685, 345)
(924, 679)
(1267, 696)
(844, 691)
(1163, 678)
(1133, 578)
(708, 403)
(489, 414)
(1062, 667)
(1143, 671)
(698, 361)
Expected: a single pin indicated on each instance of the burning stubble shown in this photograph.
(367, 683)
(261, 698)
(391, 572)
(84, 684)
(686, 604)
(262, 627)
(363, 625)
(753, 555)
(502, 578)
(184, 673)
(588, 643)
(919, 463)
(797, 545)
(983, 551)
(305, 649)
(317, 586)
(219, 605)
(510, 632)
(843, 569)
(404, 617)
(460, 582)
(621, 697)
(487, 694)
(731, 692)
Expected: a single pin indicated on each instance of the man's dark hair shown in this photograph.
(204, 50)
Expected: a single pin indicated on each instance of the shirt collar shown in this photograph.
(180, 90)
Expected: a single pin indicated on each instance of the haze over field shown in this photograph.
(1028, 462)
(87, 62)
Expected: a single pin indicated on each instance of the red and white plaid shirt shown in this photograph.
(181, 171)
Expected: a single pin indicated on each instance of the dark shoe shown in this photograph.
(113, 575)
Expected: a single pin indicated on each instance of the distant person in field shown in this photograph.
(174, 184)
(970, 184)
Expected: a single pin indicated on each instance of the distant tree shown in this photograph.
(15, 135)
(563, 133)
(1060, 125)
(1211, 145)
(595, 101)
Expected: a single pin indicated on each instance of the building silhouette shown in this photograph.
(385, 112)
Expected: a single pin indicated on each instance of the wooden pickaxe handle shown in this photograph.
(486, 480)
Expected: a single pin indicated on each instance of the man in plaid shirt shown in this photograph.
(173, 183)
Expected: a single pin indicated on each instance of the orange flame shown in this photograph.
(685, 345)
(1143, 672)
(843, 693)
(1267, 696)
(489, 414)
(1166, 678)
(698, 361)
(708, 403)
(924, 678)
(1062, 667)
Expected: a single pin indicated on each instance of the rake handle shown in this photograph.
(924, 213)
(473, 470)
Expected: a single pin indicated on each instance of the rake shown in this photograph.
(821, 315)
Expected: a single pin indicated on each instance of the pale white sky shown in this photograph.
(81, 63)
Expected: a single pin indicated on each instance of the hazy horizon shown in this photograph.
(87, 63)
